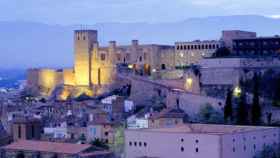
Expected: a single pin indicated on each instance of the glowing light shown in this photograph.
(189, 83)
(154, 70)
(237, 91)
(181, 55)
(130, 66)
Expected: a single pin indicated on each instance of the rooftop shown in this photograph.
(52, 147)
(207, 129)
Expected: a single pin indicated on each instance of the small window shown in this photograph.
(233, 149)
(140, 143)
(103, 56)
(196, 150)
(196, 141)
(182, 149)
(145, 144)
(135, 143)
(130, 143)
(182, 140)
(233, 140)
(106, 133)
(255, 146)
(140, 58)
(244, 147)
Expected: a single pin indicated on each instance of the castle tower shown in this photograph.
(103, 69)
(84, 40)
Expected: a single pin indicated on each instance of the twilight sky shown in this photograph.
(95, 11)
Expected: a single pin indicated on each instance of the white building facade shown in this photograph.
(200, 141)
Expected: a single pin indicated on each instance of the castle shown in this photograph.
(94, 71)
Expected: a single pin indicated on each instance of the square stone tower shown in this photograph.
(84, 41)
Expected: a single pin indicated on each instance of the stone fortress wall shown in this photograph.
(95, 66)
(188, 53)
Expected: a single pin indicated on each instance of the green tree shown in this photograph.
(276, 95)
(118, 145)
(268, 152)
(256, 108)
(228, 112)
(99, 143)
(242, 111)
(208, 114)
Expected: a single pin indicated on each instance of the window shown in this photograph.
(140, 58)
(182, 149)
(135, 143)
(145, 144)
(140, 143)
(19, 131)
(103, 56)
(182, 140)
(196, 150)
(185, 47)
(255, 146)
(32, 131)
(196, 141)
(106, 133)
(244, 147)
(78, 38)
(202, 47)
(163, 66)
(233, 149)
(130, 143)
(84, 37)
(189, 47)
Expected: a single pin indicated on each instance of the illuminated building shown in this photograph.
(93, 72)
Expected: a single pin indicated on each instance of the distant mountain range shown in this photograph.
(29, 44)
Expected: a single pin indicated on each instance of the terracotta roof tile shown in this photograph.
(43, 146)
